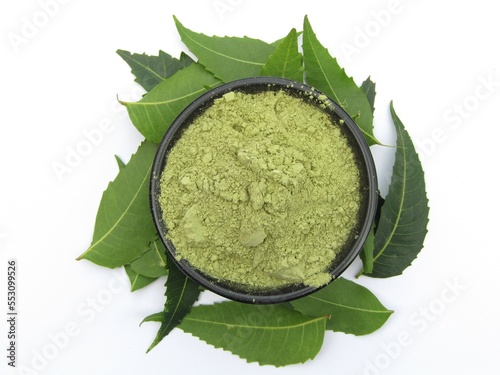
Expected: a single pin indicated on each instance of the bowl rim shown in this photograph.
(194, 109)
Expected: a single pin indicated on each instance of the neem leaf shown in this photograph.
(124, 226)
(151, 70)
(229, 58)
(153, 262)
(286, 60)
(404, 216)
(380, 204)
(154, 113)
(156, 317)
(267, 334)
(366, 254)
(181, 293)
(353, 308)
(368, 86)
(324, 73)
(137, 281)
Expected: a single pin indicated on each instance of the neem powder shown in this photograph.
(262, 190)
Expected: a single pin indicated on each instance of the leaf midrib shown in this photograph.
(351, 307)
(219, 53)
(140, 103)
(146, 67)
(158, 253)
(172, 316)
(272, 328)
(134, 282)
(285, 64)
(321, 66)
(401, 203)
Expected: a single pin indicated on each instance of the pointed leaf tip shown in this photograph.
(353, 308)
(181, 294)
(286, 60)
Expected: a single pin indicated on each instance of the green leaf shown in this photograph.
(120, 163)
(151, 70)
(181, 294)
(137, 281)
(156, 317)
(353, 308)
(380, 204)
(277, 42)
(153, 262)
(286, 60)
(366, 254)
(228, 58)
(404, 216)
(154, 113)
(324, 73)
(267, 334)
(124, 226)
(368, 86)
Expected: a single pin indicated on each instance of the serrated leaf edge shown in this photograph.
(120, 53)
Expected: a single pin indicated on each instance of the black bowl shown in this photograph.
(356, 140)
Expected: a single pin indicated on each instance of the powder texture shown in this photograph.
(261, 190)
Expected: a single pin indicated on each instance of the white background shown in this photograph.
(438, 60)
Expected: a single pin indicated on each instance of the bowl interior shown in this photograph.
(355, 139)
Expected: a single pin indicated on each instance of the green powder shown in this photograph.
(261, 190)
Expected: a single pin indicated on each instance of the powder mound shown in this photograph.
(261, 190)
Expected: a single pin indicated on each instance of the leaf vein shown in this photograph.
(123, 214)
(350, 307)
